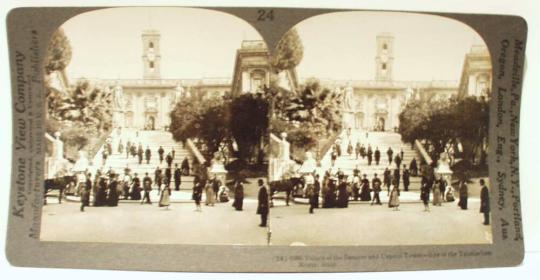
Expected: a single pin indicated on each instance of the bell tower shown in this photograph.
(151, 55)
(385, 57)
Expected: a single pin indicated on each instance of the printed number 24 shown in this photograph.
(264, 15)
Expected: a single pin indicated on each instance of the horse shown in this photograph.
(284, 185)
(58, 183)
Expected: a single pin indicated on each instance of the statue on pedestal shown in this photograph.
(118, 98)
(348, 99)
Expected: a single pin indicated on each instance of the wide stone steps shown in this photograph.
(381, 140)
(152, 140)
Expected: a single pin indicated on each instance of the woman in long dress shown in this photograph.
(238, 196)
(393, 202)
(165, 197)
(210, 194)
(437, 193)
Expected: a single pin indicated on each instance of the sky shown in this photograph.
(343, 45)
(197, 43)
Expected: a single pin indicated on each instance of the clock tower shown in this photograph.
(385, 57)
(151, 55)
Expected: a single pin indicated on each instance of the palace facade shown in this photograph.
(370, 105)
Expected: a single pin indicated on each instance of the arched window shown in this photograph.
(384, 46)
(383, 66)
(151, 45)
(151, 65)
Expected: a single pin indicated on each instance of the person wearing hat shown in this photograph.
(262, 206)
(330, 196)
(484, 201)
(376, 184)
(365, 193)
(238, 196)
(135, 193)
(112, 197)
(147, 154)
(85, 192)
(147, 187)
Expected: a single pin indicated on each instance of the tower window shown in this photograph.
(384, 46)
(383, 66)
(151, 65)
(151, 45)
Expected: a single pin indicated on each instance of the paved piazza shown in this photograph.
(360, 224)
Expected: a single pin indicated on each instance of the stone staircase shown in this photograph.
(381, 140)
(152, 139)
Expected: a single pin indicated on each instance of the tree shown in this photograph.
(205, 121)
(249, 125)
(289, 51)
(308, 114)
(442, 125)
(81, 114)
(58, 53)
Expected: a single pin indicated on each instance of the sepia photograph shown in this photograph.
(180, 126)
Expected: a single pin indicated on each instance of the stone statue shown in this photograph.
(58, 147)
(284, 149)
(348, 99)
(118, 97)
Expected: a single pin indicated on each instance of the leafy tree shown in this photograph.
(81, 114)
(249, 125)
(307, 115)
(58, 52)
(289, 51)
(205, 121)
(442, 125)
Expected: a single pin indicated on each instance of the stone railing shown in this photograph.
(422, 151)
(195, 151)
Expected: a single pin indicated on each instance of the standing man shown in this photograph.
(140, 153)
(387, 177)
(377, 155)
(406, 178)
(397, 160)
(484, 201)
(85, 192)
(168, 176)
(169, 160)
(148, 155)
(185, 167)
(158, 178)
(238, 196)
(317, 191)
(413, 166)
(397, 176)
(463, 195)
(369, 155)
(147, 187)
(390, 154)
(177, 177)
(262, 207)
(376, 184)
(160, 152)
